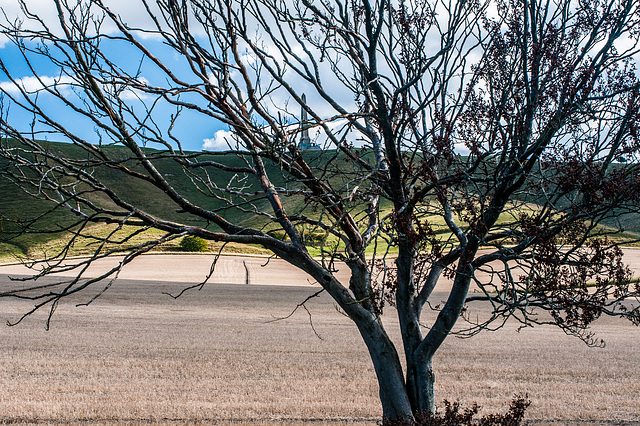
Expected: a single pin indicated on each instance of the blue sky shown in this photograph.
(194, 131)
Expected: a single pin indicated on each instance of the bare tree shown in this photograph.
(476, 141)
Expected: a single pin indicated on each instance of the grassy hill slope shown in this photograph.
(16, 205)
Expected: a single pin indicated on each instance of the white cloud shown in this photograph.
(133, 13)
(133, 94)
(12, 12)
(45, 8)
(222, 140)
(32, 84)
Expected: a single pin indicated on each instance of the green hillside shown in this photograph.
(17, 207)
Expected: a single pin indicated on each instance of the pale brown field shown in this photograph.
(136, 356)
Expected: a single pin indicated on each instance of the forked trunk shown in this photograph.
(393, 391)
(400, 400)
(419, 376)
(420, 381)
(419, 350)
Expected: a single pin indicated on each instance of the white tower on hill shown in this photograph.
(305, 141)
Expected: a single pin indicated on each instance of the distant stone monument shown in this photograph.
(305, 141)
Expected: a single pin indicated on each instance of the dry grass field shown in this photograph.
(215, 356)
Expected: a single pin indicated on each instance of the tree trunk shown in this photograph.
(383, 353)
(386, 362)
(420, 381)
(420, 377)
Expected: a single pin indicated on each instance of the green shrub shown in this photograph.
(279, 235)
(313, 238)
(193, 243)
(454, 415)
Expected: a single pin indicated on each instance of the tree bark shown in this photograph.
(386, 362)
(420, 378)
(420, 381)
